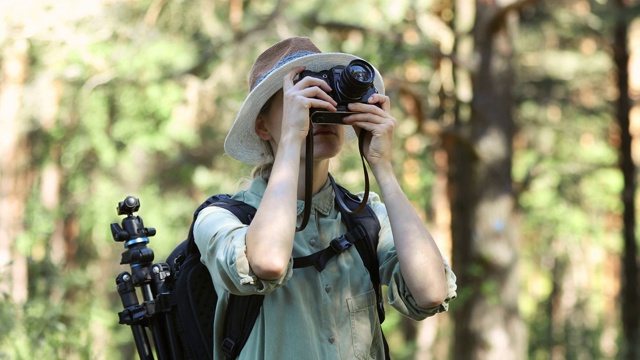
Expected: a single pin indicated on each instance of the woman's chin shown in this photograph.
(326, 151)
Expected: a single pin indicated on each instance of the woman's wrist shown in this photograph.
(293, 138)
(383, 171)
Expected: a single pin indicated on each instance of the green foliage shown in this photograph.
(568, 162)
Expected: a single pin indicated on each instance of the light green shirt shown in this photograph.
(307, 314)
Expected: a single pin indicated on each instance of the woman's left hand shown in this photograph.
(375, 118)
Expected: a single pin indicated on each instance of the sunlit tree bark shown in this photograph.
(630, 289)
(14, 169)
(484, 222)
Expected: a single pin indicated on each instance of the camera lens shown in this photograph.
(355, 80)
(359, 73)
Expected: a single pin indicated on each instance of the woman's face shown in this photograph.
(327, 139)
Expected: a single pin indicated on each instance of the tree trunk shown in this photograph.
(14, 169)
(630, 289)
(484, 224)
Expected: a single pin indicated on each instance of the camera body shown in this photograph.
(350, 84)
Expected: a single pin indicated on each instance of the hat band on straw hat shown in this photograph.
(282, 62)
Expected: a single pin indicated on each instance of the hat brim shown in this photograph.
(242, 143)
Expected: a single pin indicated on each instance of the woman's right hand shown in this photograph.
(298, 98)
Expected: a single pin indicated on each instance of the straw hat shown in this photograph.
(242, 142)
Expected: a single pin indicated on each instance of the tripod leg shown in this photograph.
(142, 342)
(163, 320)
(157, 328)
(176, 353)
(130, 300)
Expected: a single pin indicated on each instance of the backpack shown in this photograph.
(192, 298)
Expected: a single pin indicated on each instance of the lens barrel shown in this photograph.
(355, 80)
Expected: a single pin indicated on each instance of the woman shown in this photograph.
(309, 314)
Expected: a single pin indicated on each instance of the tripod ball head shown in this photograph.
(130, 205)
(132, 226)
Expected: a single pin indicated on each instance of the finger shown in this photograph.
(288, 80)
(318, 104)
(382, 101)
(367, 109)
(316, 92)
(370, 121)
(310, 81)
(365, 121)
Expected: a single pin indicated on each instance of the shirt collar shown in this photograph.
(323, 201)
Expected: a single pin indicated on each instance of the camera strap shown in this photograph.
(365, 195)
(308, 180)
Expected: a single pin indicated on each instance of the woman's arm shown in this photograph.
(270, 236)
(420, 259)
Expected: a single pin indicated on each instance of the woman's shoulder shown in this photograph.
(375, 202)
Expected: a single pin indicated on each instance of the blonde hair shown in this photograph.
(263, 169)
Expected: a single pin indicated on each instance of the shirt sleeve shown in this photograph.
(220, 237)
(398, 295)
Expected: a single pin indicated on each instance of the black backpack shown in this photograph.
(193, 298)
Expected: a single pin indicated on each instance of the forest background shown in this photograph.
(517, 141)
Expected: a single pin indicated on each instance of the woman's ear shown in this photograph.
(261, 129)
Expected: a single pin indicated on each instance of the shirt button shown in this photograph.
(332, 339)
(327, 288)
(312, 242)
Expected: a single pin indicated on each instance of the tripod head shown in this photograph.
(133, 233)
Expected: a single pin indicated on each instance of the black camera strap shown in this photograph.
(365, 196)
(308, 180)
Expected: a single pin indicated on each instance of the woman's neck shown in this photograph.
(320, 176)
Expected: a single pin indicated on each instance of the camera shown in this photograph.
(352, 83)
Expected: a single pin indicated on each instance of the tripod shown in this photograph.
(152, 315)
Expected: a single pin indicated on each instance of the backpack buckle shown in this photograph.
(228, 346)
(340, 244)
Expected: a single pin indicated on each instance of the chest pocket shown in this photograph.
(365, 329)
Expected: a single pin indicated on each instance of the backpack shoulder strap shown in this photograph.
(242, 311)
(368, 221)
(243, 211)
